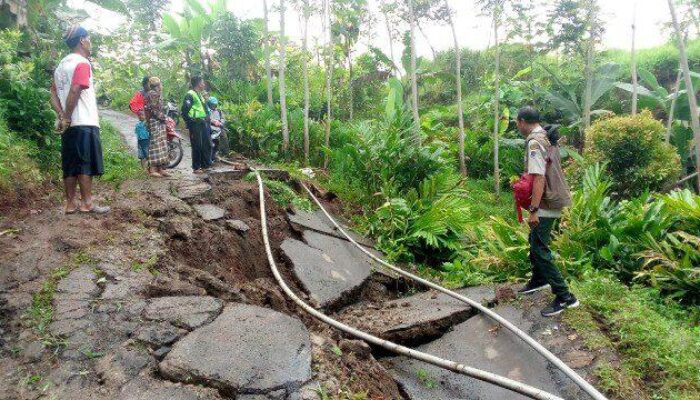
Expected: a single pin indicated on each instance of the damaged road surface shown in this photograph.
(170, 296)
(246, 350)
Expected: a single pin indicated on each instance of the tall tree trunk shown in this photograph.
(350, 86)
(694, 117)
(391, 43)
(458, 82)
(283, 90)
(672, 110)
(496, 106)
(268, 68)
(414, 79)
(305, 71)
(427, 40)
(588, 72)
(329, 87)
(635, 89)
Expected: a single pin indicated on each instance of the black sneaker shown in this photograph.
(532, 287)
(559, 305)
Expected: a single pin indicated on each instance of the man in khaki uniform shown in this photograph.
(550, 194)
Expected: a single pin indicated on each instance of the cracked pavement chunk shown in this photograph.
(246, 350)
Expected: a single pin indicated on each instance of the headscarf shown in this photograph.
(73, 35)
(153, 81)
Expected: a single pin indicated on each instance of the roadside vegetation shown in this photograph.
(384, 132)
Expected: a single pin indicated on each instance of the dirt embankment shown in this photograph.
(76, 292)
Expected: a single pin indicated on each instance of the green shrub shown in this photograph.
(384, 156)
(479, 148)
(658, 342)
(636, 156)
(119, 163)
(19, 173)
(427, 224)
(23, 101)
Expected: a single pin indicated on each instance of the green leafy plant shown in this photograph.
(634, 152)
(570, 102)
(428, 223)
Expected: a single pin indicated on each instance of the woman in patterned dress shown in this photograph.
(155, 120)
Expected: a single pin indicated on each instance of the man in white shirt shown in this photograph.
(73, 98)
(550, 194)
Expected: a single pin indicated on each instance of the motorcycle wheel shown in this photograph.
(224, 146)
(175, 153)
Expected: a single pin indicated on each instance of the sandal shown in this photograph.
(155, 174)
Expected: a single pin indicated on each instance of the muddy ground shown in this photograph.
(151, 245)
(73, 289)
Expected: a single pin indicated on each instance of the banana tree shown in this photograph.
(189, 32)
(571, 104)
(656, 96)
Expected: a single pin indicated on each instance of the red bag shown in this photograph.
(522, 192)
(137, 103)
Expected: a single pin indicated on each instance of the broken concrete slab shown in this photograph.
(246, 350)
(144, 388)
(80, 283)
(317, 221)
(415, 319)
(329, 268)
(188, 189)
(186, 312)
(481, 343)
(158, 334)
(178, 227)
(209, 212)
(237, 225)
(121, 365)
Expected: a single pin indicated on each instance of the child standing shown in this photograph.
(144, 140)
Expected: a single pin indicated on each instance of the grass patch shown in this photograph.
(40, 314)
(119, 163)
(426, 379)
(282, 194)
(657, 341)
(149, 265)
(484, 202)
(20, 173)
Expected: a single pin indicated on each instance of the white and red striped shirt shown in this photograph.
(75, 69)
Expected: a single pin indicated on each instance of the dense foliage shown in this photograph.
(635, 154)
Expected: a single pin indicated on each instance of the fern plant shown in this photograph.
(428, 224)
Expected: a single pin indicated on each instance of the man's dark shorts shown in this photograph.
(81, 151)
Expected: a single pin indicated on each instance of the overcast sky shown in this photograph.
(473, 30)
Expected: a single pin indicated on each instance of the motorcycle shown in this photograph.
(175, 152)
(172, 112)
(220, 143)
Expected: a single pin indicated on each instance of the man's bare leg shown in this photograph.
(69, 185)
(85, 182)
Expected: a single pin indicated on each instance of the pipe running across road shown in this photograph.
(495, 379)
(582, 383)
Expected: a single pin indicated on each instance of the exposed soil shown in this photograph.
(151, 245)
(75, 291)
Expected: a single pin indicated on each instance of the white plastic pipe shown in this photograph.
(582, 383)
(501, 381)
